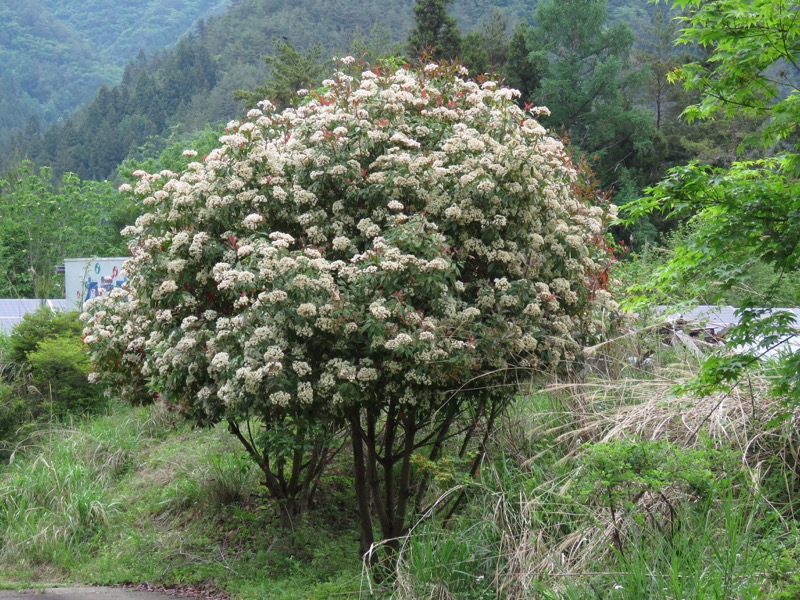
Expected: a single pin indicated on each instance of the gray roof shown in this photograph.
(720, 317)
(717, 319)
(12, 310)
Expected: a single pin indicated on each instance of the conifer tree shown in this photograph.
(520, 72)
(586, 73)
(486, 49)
(435, 31)
(290, 70)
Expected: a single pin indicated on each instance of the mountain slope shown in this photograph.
(54, 54)
(182, 90)
(118, 30)
(192, 84)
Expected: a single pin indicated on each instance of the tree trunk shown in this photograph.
(367, 538)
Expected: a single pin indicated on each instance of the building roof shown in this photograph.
(717, 319)
(721, 317)
(12, 310)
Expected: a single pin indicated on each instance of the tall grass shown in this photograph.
(139, 496)
(51, 505)
(608, 487)
(614, 486)
(66, 485)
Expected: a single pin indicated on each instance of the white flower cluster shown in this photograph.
(396, 235)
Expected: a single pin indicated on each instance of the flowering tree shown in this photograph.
(393, 256)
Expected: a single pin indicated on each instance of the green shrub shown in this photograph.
(38, 326)
(44, 372)
(620, 471)
(59, 369)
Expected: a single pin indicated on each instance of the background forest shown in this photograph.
(56, 53)
(648, 471)
(603, 72)
(163, 95)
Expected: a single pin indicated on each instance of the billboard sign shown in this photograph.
(87, 278)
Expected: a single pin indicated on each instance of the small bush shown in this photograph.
(44, 373)
(619, 471)
(59, 369)
(38, 326)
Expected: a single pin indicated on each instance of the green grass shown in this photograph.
(538, 524)
(138, 496)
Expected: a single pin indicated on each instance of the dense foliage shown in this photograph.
(183, 89)
(42, 223)
(743, 214)
(56, 53)
(395, 254)
(435, 31)
(390, 257)
(162, 97)
(43, 374)
(587, 79)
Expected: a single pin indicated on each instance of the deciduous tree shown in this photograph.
(746, 212)
(42, 223)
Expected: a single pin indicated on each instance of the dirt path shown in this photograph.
(81, 593)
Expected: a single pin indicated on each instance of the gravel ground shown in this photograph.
(110, 593)
(82, 593)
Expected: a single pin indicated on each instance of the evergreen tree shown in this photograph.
(474, 56)
(32, 134)
(486, 50)
(290, 71)
(435, 32)
(520, 71)
(494, 34)
(189, 70)
(586, 84)
(135, 69)
(658, 55)
(69, 149)
(149, 103)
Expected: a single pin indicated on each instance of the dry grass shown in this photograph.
(546, 536)
(747, 419)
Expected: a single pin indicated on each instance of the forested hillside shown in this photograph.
(194, 84)
(118, 30)
(600, 67)
(161, 97)
(54, 54)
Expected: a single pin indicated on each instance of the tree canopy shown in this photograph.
(42, 223)
(584, 62)
(393, 255)
(435, 32)
(747, 212)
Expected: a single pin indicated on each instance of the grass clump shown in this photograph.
(138, 496)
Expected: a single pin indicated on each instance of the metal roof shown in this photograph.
(717, 319)
(12, 310)
(721, 317)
